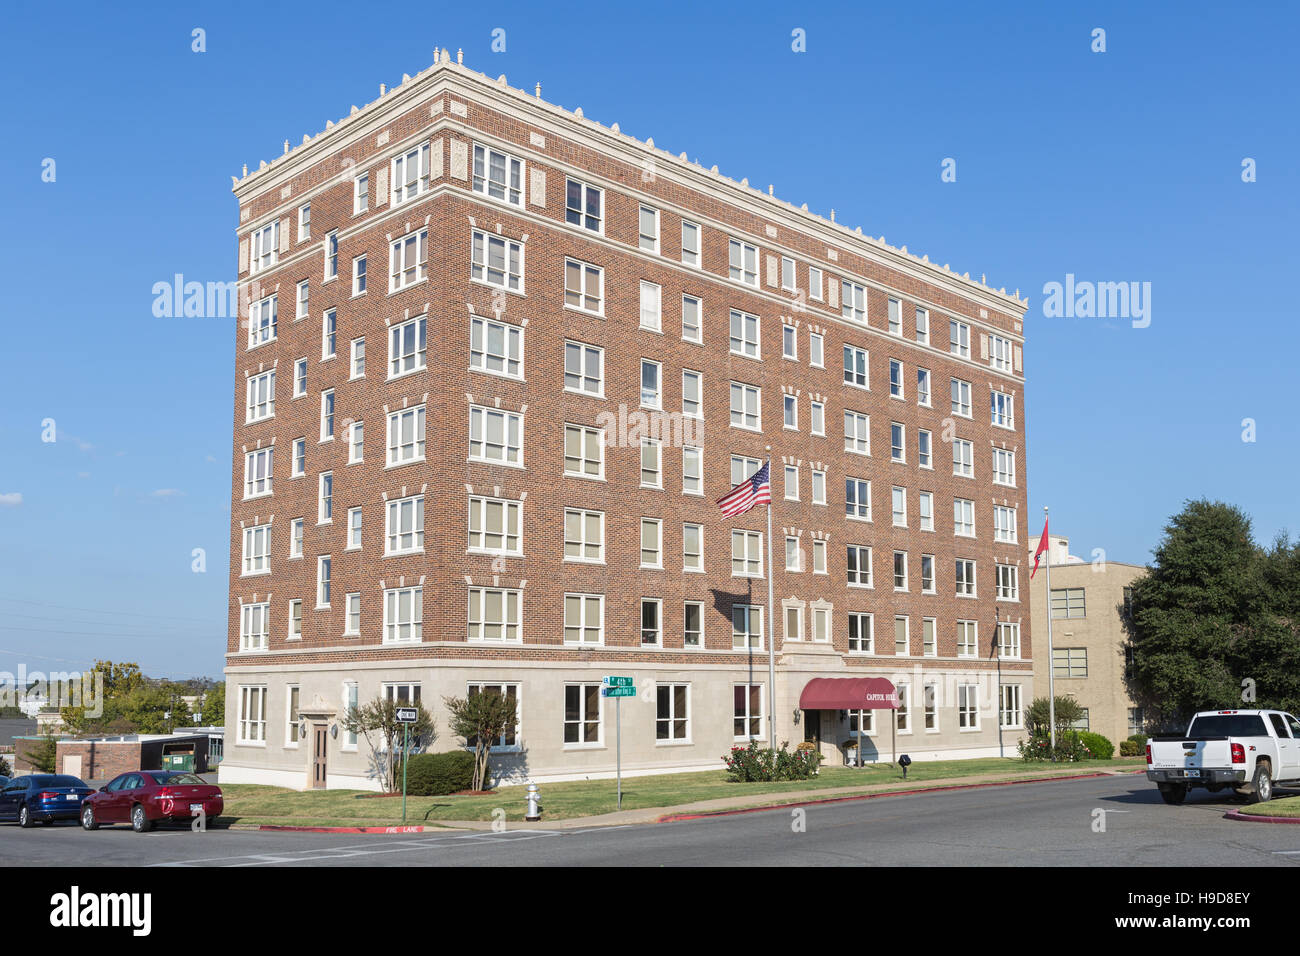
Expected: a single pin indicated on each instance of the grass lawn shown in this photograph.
(252, 803)
(1285, 807)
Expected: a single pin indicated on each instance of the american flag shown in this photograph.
(754, 490)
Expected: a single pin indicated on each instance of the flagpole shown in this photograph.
(771, 621)
(1051, 663)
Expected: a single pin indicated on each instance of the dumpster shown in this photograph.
(178, 762)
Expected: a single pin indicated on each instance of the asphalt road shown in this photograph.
(1042, 824)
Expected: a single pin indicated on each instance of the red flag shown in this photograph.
(1042, 546)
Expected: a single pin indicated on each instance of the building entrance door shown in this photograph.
(812, 727)
(320, 747)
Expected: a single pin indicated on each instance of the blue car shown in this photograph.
(42, 796)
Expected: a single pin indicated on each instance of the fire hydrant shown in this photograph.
(534, 798)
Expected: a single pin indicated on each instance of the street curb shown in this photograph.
(296, 829)
(1257, 818)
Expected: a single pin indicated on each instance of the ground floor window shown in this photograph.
(672, 712)
(1082, 722)
(867, 718)
(407, 693)
(1009, 714)
(510, 692)
(968, 716)
(582, 714)
(747, 711)
(903, 714)
(252, 714)
(1136, 723)
(931, 707)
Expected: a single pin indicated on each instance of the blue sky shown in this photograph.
(1115, 166)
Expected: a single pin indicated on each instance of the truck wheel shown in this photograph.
(1173, 793)
(1262, 783)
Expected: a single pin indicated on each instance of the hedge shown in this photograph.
(435, 775)
(1099, 748)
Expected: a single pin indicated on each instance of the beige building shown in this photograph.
(1088, 658)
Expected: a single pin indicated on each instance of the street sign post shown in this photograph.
(406, 716)
(618, 688)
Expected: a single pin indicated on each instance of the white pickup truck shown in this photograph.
(1248, 750)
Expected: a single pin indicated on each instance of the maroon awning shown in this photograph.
(848, 693)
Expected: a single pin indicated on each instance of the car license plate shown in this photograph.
(1191, 773)
(70, 796)
(196, 808)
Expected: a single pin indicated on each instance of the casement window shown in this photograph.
(651, 384)
(895, 317)
(354, 529)
(1000, 353)
(361, 194)
(857, 433)
(584, 368)
(651, 463)
(252, 715)
(1004, 524)
(584, 619)
(264, 247)
(1008, 639)
(959, 338)
(496, 348)
(929, 641)
(302, 300)
(497, 261)
(410, 174)
(323, 571)
(817, 418)
(862, 639)
(818, 487)
(897, 442)
(747, 627)
(298, 468)
(901, 636)
(672, 712)
(1068, 603)
(261, 321)
(746, 553)
(961, 398)
(963, 458)
(359, 275)
(856, 372)
(357, 363)
(327, 414)
(900, 570)
(1002, 409)
(857, 498)
(1069, 662)
(408, 260)
(923, 326)
(927, 574)
(895, 379)
(965, 575)
(584, 286)
(1004, 467)
(356, 442)
(651, 622)
(746, 406)
(404, 528)
(853, 301)
(744, 334)
(584, 451)
(903, 712)
(495, 435)
(406, 435)
(925, 509)
(923, 387)
(692, 547)
(407, 347)
(898, 502)
(352, 615)
(788, 282)
(1008, 582)
(295, 538)
(819, 556)
(331, 255)
(816, 350)
(494, 525)
(651, 306)
(582, 713)
(747, 711)
(968, 639)
(963, 517)
(257, 473)
(329, 334)
(648, 220)
(652, 543)
(257, 550)
(968, 714)
(814, 283)
(742, 468)
(498, 175)
(300, 378)
(692, 393)
(742, 262)
(325, 498)
(493, 614)
(792, 482)
(924, 443)
(584, 535)
(691, 322)
(690, 243)
(582, 205)
(858, 565)
(793, 555)
(403, 614)
(304, 222)
(1010, 714)
(254, 626)
(295, 620)
(789, 342)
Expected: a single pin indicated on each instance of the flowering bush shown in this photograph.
(1069, 747)
(751, 764)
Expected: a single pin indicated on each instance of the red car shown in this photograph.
(143, 797)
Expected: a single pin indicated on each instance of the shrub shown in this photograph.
(1099, 748)
(1129, 748)
(1140, 740)
(1069, 747)
(751, 765)
(4, 768)
(434, 775)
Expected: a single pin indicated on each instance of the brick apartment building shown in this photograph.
(501, 360)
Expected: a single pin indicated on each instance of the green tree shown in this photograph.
(377, 722)
(481, 719)
(1037, 715)
(213, 706)
(44, 756)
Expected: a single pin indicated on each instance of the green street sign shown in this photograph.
(618, 682)
(618, 692)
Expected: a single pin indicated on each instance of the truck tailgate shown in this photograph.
(1190, 755)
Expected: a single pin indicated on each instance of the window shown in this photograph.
(818, 487)
(252, 715)
(361, 193)
(584, 535)
(651, 306)
(861, 633)
(651, 620)
(692, 470)
(746, 407)
(652, 536)
(354, 529)
(1000, 353)
(304, 222)
(855, 367)
(1004, 524)
(1008, 582)
(1068, 602)
(968, 715)
(857, 433)
(898, 500)
(257, 473)
(302, 300)
(403, 614)
(793, 555)
(1002, 409)
(1004, 467)
(496, 348)
(358, 359)
(925, 508)
(494, 525)
(858, 565)
(814, 283)
(649, 229)
(498, 175)
(792, 482)
(1009, 713)
(325, 498)
(410, 174)
(923, 387)
(510, 692)
(746, 553)
(819, 556)
(853, 301)
(742, 468)
(295, 538)
(923, 326)
(404, 527)
(295, 619)
(493, 614)
(690, 243)
(497, 261)
(582, 713)
(672, 712)
(300, 378)
(959, 338)
(264, 247)
(692, 547)
(817, 417)
(359, 275)
(790, 404)
(582, 205)
(331, 255)
(584, 368)
(895, 317)
(584, 286)
(927, 574)
(1070, 662)
(584, 454)
(584, 619)
(789, 342)
(861, 722)
(254, 626)
(742, 259)
(857, 498)
(495, 435)
(923, 446)
(352, 618)
(930, 703)
(329, 334)
(299, 466)
(327, 414)
(963, 517)
(407, 257)
(1137, 722)
(407, 347)
(961, 398)
(900, 570)
(692, 393)
(903, 712)
(747, 626)
(816, 350)
(261, 321)
(691, 327)
(965, 574)
(323, 567)
(744, 334)
(929, 647)
(651, 382)
(963, 458)
(406, 435)
(967, 639)
(897, 442)
(1008, 639)
(356, 442)
(895, 378)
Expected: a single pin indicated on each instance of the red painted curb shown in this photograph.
(677, 817)
(398, 829)
(1257, 818)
